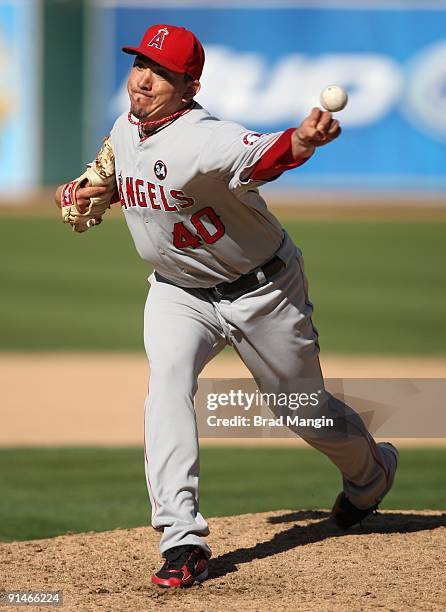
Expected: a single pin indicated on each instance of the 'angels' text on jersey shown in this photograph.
(143, 193)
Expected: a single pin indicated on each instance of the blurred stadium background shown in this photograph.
(369, 213)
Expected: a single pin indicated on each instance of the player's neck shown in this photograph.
(150, 126)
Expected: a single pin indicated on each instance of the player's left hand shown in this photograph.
(84, 200)
(318, 129)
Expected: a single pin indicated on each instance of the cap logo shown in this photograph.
(158, 40)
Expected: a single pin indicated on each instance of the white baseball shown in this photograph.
(333, 98)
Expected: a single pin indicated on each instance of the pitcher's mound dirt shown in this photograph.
(284, 560)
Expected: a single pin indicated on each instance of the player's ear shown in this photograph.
(193, 86)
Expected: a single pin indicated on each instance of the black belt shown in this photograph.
(248, 282)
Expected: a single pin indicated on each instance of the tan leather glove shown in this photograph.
(100, 174)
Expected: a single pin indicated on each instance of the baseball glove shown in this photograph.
(101, 173)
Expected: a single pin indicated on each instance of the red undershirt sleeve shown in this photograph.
(277, 159)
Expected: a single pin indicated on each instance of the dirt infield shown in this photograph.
(300, 204)
(103, 404)
(284, 560)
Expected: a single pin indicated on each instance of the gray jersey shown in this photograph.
(190, 211)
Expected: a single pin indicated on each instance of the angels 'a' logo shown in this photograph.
(160, 170)
(250, 138)
(158, 40)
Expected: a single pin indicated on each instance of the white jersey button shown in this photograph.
(162, 251)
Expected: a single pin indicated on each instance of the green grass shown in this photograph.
(47, 492)
(378, 287)
(61, 290)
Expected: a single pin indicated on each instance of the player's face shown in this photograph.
(156, 92)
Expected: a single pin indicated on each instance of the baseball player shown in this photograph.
(225, 272)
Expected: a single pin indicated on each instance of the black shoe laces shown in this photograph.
(176, 557)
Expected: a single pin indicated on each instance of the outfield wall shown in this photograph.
(268, 61)
(266, 64)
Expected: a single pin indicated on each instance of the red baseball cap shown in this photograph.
(174, 48)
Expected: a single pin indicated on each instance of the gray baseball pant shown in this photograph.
(271, 330)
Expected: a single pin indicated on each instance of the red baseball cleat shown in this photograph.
(183, 566)
(345, 514)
